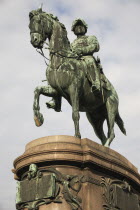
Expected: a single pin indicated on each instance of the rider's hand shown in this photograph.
(79, 51)
(52, 51)
(72, 54)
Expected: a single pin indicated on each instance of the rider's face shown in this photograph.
(79, 30)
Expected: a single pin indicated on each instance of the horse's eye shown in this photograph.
(31, 15)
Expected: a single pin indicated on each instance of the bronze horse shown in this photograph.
(67, 78)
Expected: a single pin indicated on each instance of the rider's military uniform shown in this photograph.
(85, 46)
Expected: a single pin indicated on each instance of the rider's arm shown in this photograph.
(93, 46)
(73, 50)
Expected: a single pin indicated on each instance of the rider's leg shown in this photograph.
(93, 74)
(96, 85)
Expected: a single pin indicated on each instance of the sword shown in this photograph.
(100, 69)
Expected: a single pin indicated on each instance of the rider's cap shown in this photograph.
(78, 22)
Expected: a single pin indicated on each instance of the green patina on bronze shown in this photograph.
(75, 74)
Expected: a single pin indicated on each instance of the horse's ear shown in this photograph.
(40, 8)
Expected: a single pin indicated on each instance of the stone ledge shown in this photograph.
(71, 149)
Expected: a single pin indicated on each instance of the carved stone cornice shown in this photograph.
(81, 151)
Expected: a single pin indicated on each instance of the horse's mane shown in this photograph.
(44, 14)
(57, 20)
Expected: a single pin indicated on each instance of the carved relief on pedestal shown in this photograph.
(44, 186)
(37, 188)
(118, 195)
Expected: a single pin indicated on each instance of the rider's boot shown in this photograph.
(95, 88)
(53, 105)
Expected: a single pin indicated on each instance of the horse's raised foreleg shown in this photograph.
(44, 90)
(74, 95)
(111, 107)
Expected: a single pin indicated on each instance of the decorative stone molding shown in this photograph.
(73, 168)
(80, 151)
(118, 195)
(37, 188)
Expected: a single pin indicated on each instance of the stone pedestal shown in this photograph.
(72, 174)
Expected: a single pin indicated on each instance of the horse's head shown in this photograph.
(40, 27)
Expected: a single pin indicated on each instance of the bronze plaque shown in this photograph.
(34, 189)
(126, 200)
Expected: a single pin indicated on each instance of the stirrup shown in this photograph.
(95, 90)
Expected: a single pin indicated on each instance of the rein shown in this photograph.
(42, 53)
(64, 56)
(57, 53)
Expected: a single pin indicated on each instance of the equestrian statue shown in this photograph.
(75, 74)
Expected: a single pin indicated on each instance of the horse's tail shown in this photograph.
(120, 123)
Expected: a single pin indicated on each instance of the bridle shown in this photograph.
(61, 53)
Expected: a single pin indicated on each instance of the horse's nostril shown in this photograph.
(35, 38)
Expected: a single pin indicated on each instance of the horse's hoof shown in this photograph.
(106, 145)
(39, 120)
(78, 136)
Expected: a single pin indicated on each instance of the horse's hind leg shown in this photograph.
(44, 90)
(97, 124)
(111, 107)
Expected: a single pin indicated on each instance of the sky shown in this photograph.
(115, 23)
